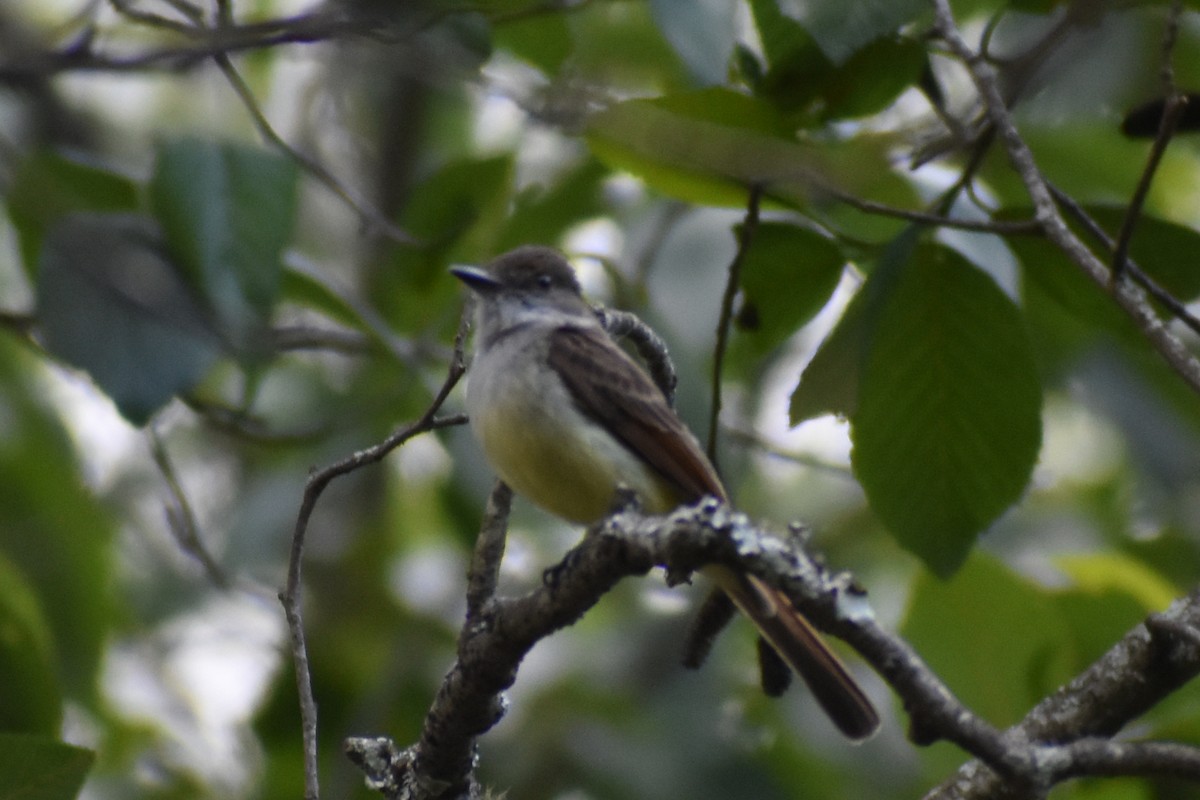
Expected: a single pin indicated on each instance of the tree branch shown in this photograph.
(1061, 738)
(725, 319)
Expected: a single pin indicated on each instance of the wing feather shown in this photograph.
(608, 386)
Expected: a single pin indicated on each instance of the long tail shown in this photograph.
(795, 639)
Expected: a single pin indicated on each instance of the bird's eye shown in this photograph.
(545, 281)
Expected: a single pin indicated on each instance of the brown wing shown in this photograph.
(612, 389)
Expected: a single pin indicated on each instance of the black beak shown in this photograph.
(477, 279)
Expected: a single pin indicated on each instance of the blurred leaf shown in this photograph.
(1107, 788)
(618, 45)
(40, 768)
(49, 185)
(842, 29)
(1002, 674)
(1087, 161)
(701, 32)
(311, 290)
(787, 276)
(1108, 572)
(702, 146)
(459, 211)
(782, 36)
(803, 83)
(829, 382)
(948, 424)
(112, 303)
(872, 79)
(543, 40)
(1096, 619)
(52, 528)
(228, 211)
(30, 700)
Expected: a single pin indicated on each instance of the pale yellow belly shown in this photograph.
(553, 455)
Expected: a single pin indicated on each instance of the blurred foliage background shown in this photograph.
(223, 263)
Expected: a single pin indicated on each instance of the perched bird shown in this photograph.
(565, 417)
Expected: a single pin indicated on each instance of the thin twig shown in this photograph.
(365, 210)
(1135, 272)
(998, 227)
(181, 520)
(725, 319)
(317, 482)
(1173, 110)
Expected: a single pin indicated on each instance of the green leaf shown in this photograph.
(30, 700)
(787, 276)
(872, 79)
(111, 302)
(49, 185)
(228, 211)
(1020, 659)
(543, 40)
(40, 768)
(702, 146)
(618, 45)
(782, 36)
(708, 146)
(948, 424)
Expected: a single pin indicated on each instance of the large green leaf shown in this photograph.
(708, 146)
(40, 768)
(948, 423)
(703, 146)
(228, 211)
(111, 302)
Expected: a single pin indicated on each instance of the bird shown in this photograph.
(566, 418)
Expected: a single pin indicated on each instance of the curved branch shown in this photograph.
(1146, 666)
